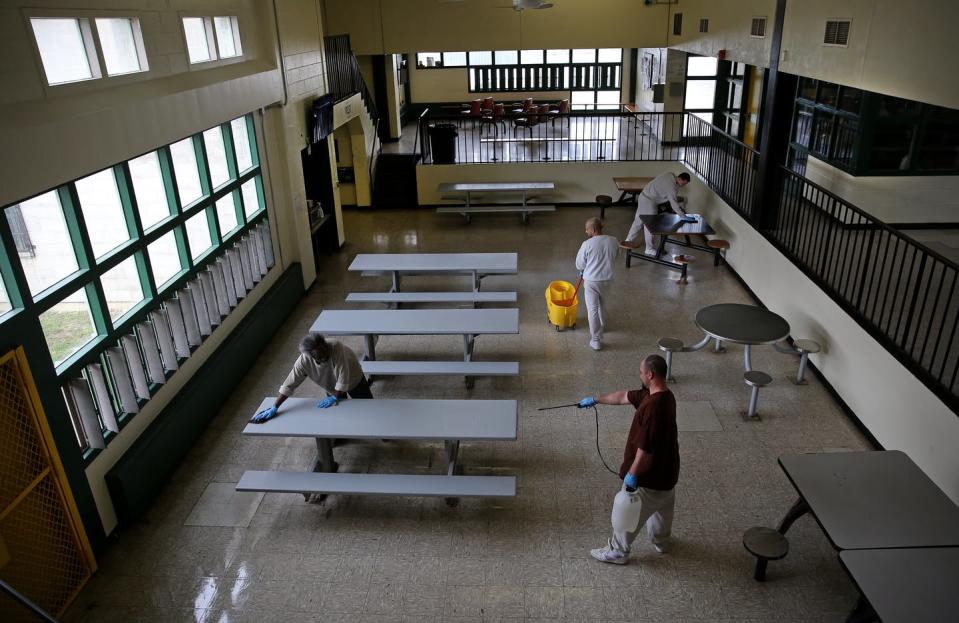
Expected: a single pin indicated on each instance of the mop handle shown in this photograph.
(575, 404)
(578, 283)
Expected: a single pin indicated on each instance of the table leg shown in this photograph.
(701, 344)
(476, 281)
(452, 449)
(369, 341)
(396, 281)
(469, 342)
(719, 346)
(324, 462)
(747, 357)
(798, 509)
(662, 246)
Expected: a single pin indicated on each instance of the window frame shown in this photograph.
(90, 273)
(212, 41)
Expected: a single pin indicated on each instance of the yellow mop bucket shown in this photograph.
(561, 302)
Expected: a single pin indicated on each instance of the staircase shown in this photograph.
(394, 181)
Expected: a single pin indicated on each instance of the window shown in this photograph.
(557, 57)
(165, 260)
(152, 202)
(704, 25)
(185, 168)
(480, 58)
(65, 46)
(122, 45)
(122, 287)
(198, 32)
(531, 57)
(216, 157)
(227, 36)
(610, 55)
(103, 214)
(454, 59)
(119, 324)
(584, 56)
(506, 57)
(198, 234)
(241, 144)
(429, 59)
(678, 24)
(54, 258)
(68, 326)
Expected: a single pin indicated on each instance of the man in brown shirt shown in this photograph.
(650, 466)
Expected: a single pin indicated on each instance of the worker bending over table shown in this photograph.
(650, 466)
(661, 190)
(595, 263)
(331, 365)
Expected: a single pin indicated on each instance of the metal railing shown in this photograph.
(577, 136)
(727, 165)
(903, 293)
(900, 291)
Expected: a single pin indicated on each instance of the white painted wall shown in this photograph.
(893, 404)
(892, 199)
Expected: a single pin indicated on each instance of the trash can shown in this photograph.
(443, 143)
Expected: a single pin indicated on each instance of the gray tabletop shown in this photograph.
(391, 419)
(487, 263)
(742, 324)
(416, 321)
(867, 500)
(913, 585)
(495, 186)
(667, 224)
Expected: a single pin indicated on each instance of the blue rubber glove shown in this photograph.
(264, 415)
(631, 482)
(327, 402)
(587, 402)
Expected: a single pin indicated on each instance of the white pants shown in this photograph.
(645, 207)
(656, 514)
(595, 293)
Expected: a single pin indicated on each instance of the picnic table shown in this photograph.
(629, 187)
(477, 265)
(451, 421)
(665, 226)
(469, 188)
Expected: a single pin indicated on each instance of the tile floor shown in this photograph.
(415, 559)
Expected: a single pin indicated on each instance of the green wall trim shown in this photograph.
(144, 470)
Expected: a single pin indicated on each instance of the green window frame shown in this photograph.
(95, 380)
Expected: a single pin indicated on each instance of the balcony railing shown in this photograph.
(577, 136)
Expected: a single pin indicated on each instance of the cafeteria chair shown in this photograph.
(755, 379)
(670, 345)
(765, 544)
(684, 261)
(804, 347)
(720, 247)
(474, 112)
(559, 112)
(527, 105)
(532, 119)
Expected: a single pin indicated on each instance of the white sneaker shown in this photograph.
(661, 549)
(608, 554)
(595, 345)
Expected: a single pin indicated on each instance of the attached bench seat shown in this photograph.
(504, 207)
(441, 368)
(426, 485)
(431, 297)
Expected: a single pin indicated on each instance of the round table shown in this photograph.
(741, 324)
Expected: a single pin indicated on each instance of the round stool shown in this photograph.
(685, 260)
(603, 201)
(670, 345)
(755, 379)
(805, 347)
(765, 544)
(720, 246)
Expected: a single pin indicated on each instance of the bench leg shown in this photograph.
(396, 281)
(716, 257)
(452, 450)
(324, 463)
(469, 342)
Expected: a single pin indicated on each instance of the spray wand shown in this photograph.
(596, 415)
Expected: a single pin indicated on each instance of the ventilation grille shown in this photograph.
(704, 25)
(758, 27)
(678, 24)
(837, 32)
